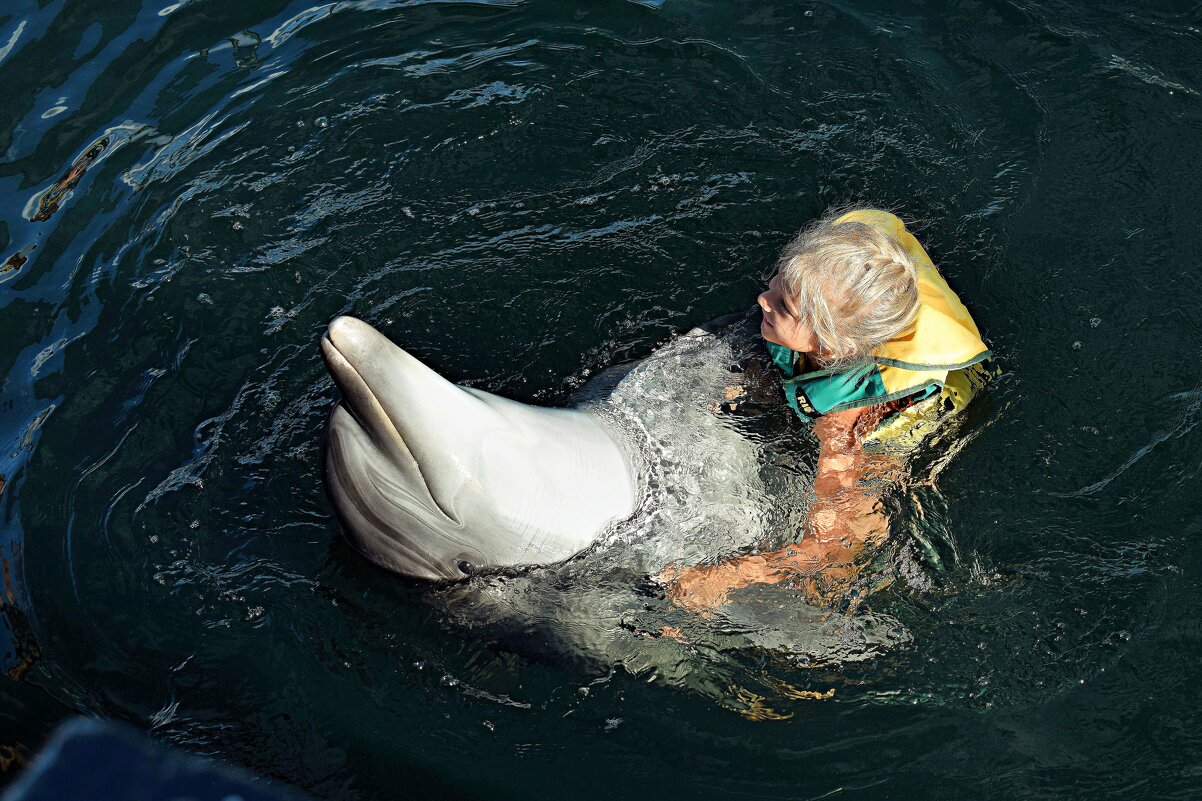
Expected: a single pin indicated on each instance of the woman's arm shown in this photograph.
(844, 519)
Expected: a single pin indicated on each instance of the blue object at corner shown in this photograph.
(88, 759)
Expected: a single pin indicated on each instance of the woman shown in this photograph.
(876, 350)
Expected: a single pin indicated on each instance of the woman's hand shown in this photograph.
(735, 394)
(821, 571)
(703, 588)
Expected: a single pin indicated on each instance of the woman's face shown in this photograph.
(782, 322)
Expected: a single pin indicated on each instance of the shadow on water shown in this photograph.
(524, 195)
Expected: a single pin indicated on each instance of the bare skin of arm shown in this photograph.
(844, 521)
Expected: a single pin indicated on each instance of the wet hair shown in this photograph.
(855, 286)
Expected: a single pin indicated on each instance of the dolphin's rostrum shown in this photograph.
(437, 481)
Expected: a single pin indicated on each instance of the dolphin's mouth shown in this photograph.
(369, 414)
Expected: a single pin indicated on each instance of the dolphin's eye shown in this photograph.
(466, 567)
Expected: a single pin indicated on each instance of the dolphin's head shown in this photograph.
(436, 481)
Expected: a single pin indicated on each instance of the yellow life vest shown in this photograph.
(931, 359)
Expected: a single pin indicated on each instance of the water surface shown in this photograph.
(525, 194)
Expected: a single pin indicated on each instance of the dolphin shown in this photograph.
(441, 482)
(437, 481)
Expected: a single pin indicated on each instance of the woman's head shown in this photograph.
(840, 291)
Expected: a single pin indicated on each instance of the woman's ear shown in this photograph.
(846, 354)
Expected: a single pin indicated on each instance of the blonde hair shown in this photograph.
(855, 286)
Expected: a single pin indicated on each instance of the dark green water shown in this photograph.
(525, 193)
